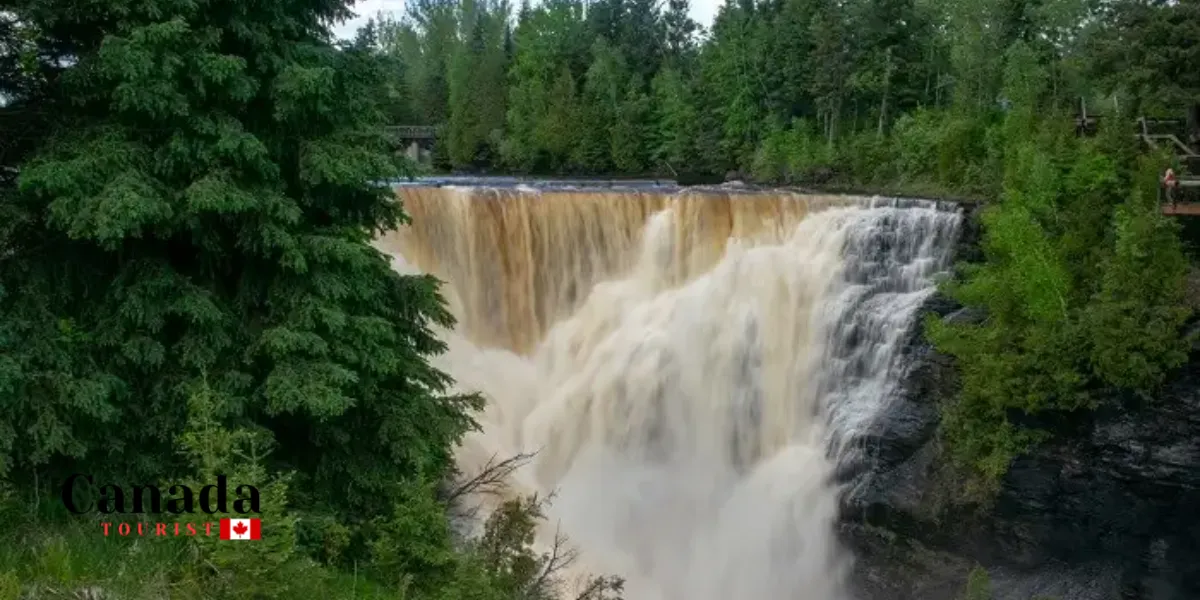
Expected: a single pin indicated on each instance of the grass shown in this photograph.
(49, 554)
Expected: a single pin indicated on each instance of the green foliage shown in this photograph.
(1137, 314)
(240, 570)
(10, 586)
(411, 549)
(476, 70)
(793, 154)
(904, 95)
(209, 212)
(64, 557)
(188, 251)
(631, 130)
(412, 554)
(58, 555)
(979, 585)
(514, 569)
(414, 541)
(674, 119)
(1082, 294)
(187, 193)
(916, 138)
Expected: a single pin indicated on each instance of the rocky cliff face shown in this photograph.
(1110, 509)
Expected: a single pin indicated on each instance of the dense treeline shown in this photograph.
(874, 90)
(1083, 281)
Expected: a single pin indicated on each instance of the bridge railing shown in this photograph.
(412, 132)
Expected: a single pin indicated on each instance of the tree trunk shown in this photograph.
(887, 85)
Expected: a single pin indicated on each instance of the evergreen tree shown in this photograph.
(630, 133)
(674, 118)
(477, 84)
(203, 219)
(430, 36)
(831, 49)
(680, 35)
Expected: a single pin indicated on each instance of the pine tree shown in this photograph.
(674, 120)
(630, 133)
(206, 216)
(680, 32)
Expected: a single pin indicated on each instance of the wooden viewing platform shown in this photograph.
(1178, 137)
(1190, 209)
(1185, 195)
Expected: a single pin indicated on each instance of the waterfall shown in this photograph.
(690, 366)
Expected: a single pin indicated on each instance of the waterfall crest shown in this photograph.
(688, 366)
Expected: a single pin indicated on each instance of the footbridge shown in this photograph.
(416, 140)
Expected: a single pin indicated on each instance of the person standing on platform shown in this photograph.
(1169, 183)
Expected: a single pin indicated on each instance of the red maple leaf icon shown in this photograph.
(241, 529)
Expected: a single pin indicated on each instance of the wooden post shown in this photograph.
(1193, 127)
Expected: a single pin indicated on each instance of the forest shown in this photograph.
(1084, 283)
(873, 91)
(188, 189)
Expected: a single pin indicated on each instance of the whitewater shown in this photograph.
(689, 366)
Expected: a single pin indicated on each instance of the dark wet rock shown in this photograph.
(891, 566)
(965, 315)
(1109, 509)
(1127, 487)
(1056, 580)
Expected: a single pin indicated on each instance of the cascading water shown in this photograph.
(689, 366)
